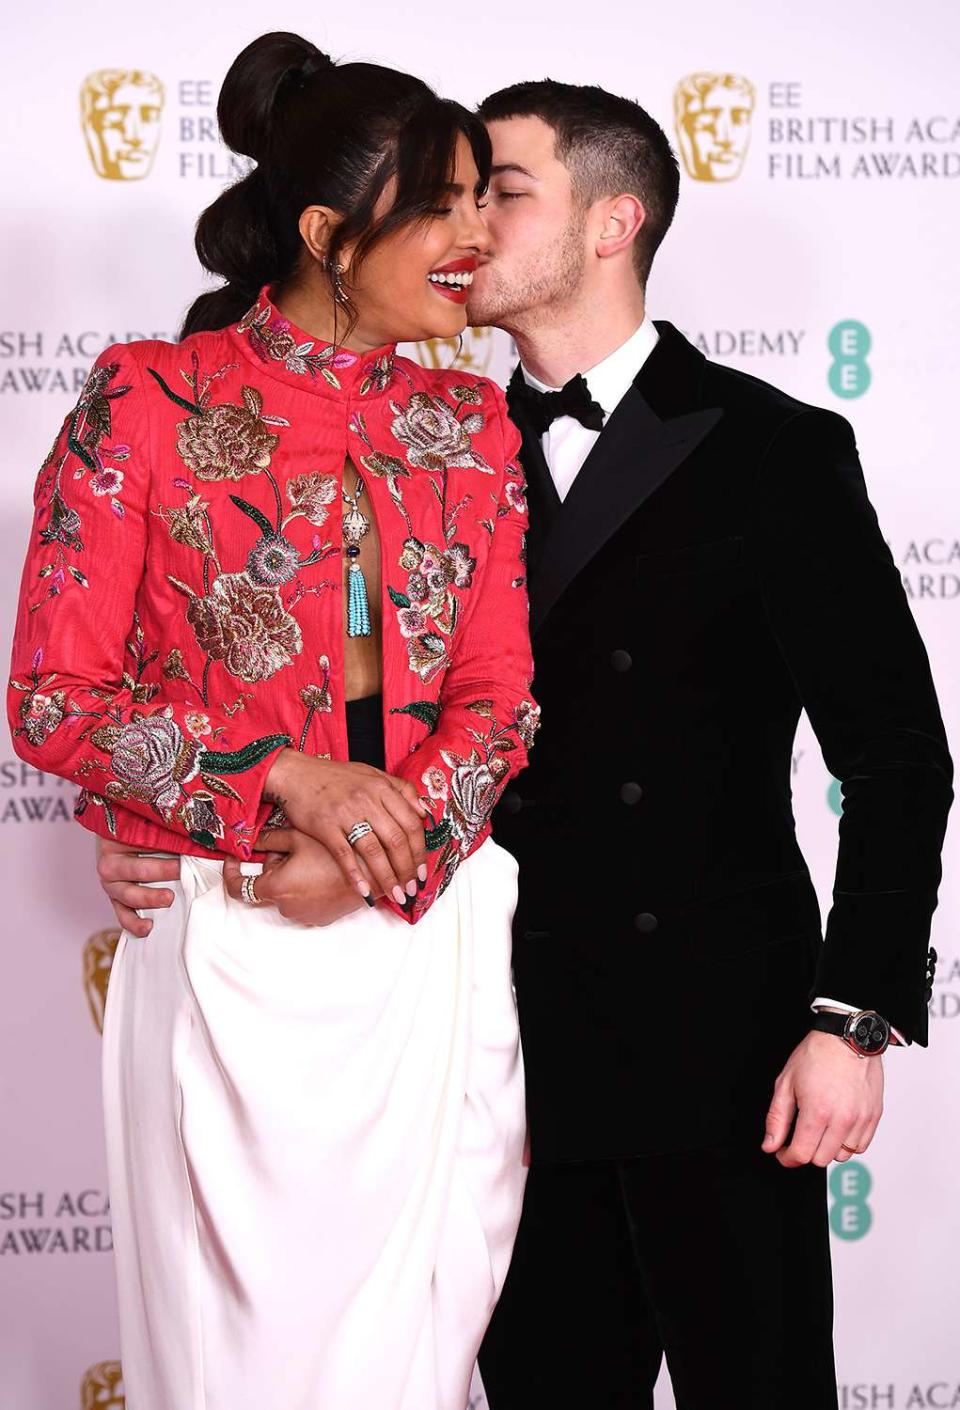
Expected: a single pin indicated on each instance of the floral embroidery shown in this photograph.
(317, 699)
(434, 436)
(311, 495)
(221, 441)
(226, 442)
(434, 781)
(379, 375)
(152, 760)
(273, 561)
(271, 338)
(474, 784)
(149, 758)
(88, 428)
(141, 692)
(240, 619)
(429, 605)
(40, 713)
(245, 625)
(241, 561)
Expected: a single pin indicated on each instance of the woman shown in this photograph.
(314, 1112)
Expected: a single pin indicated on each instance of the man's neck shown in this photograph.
(555, 344)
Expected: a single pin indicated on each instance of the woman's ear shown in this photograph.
(317, 224)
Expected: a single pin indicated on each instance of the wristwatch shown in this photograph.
(866, 1032)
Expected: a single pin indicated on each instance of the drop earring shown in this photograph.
(335, 271)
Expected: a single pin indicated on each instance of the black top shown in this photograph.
(365, 731)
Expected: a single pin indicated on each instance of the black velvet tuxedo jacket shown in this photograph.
(715, 568)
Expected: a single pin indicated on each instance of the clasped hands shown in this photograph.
(830, 1099)
(312, 874)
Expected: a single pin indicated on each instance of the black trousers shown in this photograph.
(717, 1259)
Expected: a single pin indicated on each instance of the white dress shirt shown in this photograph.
(566, 445)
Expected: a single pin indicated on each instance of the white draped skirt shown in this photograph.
(314, 1140)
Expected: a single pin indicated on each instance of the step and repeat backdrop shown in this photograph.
(815, 247)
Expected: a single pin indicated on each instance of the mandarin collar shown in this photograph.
(288, 353)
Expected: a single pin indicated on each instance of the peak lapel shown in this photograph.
(637, 452)
(542, 494)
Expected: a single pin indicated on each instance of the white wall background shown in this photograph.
(759, 269)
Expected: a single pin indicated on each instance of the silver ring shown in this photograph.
(247, 891)
(359, 829)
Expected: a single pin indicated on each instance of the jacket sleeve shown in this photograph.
(75, 708)
(837, 608)
(487, 718)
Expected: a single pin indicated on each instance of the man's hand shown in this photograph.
(300, 878)
(840, 1101)
(122, 872)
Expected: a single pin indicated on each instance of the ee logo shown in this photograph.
(850, 1214)
(835, 797)
(850, 374)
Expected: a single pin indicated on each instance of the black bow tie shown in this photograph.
(541, 409)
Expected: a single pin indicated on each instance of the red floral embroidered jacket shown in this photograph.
(180, 614)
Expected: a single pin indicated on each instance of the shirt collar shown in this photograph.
(294, 356)
(610, 379)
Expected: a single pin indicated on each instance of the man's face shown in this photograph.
(537, 249)
(123, 130)
(717, 131)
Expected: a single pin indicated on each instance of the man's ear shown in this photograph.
(622, 218)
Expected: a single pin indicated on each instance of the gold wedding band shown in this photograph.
(852, 1149)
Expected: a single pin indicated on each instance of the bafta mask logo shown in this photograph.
(102, 1387)
(120, 110)
(470, 353)
(98, 955)
(713, 113)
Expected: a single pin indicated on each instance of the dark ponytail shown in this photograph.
(320, 134)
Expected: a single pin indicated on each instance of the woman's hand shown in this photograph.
(299, 877)
(325, 798)
(122, 872)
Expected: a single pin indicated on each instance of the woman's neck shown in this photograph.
(314, 311)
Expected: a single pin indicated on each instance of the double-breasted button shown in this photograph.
(511, 802)
(631, 793)
(621, 660)
(646, 923)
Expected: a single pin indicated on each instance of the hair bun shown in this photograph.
(254, 84)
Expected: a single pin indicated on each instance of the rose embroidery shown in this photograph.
(226, 442)
(246, 626)
(433, 437)
(151, 760)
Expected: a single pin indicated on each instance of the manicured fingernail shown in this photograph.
(412, 888)
(422, 875)
(370, 901)
(364, 890)
(398, 896)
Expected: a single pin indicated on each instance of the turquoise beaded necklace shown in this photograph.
(356, 526)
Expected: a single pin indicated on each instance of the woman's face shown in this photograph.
(414, 284)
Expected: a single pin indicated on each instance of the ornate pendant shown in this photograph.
(356, 526)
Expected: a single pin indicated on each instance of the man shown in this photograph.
(703, 561)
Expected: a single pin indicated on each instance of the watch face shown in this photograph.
(868, 1033)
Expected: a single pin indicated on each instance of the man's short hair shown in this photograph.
(609, 145)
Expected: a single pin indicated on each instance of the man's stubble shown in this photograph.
(520, 296)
